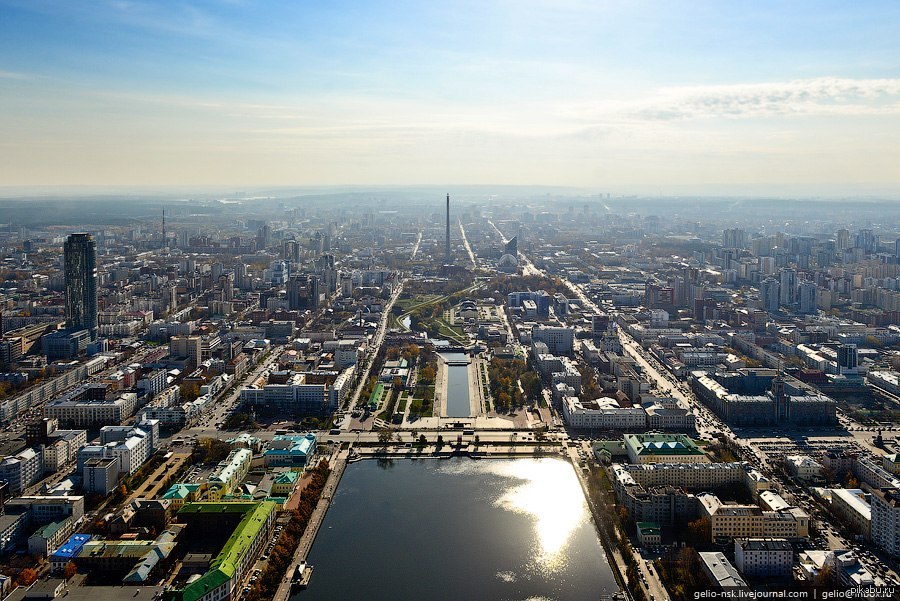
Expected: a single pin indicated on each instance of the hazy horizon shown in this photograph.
(646, 98)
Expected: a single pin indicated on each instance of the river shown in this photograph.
(487, 530)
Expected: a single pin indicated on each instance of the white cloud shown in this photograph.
(818, 96)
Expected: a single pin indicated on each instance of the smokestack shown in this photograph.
(447, 243)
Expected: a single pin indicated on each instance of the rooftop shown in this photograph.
(855, 498)
(763, 544)
(224, 565)
(720, 570)
(661, 444)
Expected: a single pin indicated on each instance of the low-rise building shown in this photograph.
(230, 566)
(649, 535)
(22, 470)
(88, 412)
(290, 450)
(601, 414)
(66, 552)
(668, 414)
(804, 468)
(229, 474)
(284, 483)
(50, 536)
(719, 571)
(851, 505)
(662, 448)
(764, 557)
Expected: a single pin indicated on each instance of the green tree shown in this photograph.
(385, 436)
(189, 391)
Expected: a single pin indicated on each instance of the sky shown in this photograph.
(658, 98)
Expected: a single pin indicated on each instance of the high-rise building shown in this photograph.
(788, 286)
(263, 237)
(770, 294)
(240, 276)
(279, 271)
(296, 292)
(847, 358)
(885, 524)
(313, 292)
(290, 251)
(867, 240)
(843, 239)
(512, 246)
(807, 296)
(80, 259)
(327, 272)
(734, 238)
(346, 285)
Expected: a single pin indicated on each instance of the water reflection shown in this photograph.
(492, 530)
(551, 495)
(546, 491)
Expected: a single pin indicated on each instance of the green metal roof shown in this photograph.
(286, 478)
(224, 565)
(662, 444)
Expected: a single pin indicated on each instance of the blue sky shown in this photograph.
(654, 97)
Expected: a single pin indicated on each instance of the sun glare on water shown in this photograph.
(550, 493)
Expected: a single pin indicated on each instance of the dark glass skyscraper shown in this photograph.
(80, 256)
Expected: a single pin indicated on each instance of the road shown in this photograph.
(585, 301)
(209, 422)
(415, 249)
(372, 351)
(465, 240)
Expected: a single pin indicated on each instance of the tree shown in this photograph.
(27, 577)
(427, 374)
(70, 570)
(212, 450)
(823, 578)
(189, 391)
(385, 436)
(531, 384)
(700, 531)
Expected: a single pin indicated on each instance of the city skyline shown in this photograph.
(647, 98)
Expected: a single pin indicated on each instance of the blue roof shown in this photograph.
(71, 547)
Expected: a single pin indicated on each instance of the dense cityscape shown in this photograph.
(185, 382)
(398, 300)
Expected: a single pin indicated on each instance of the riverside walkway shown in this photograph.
(338, 463)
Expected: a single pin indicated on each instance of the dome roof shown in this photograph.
(508, 261)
